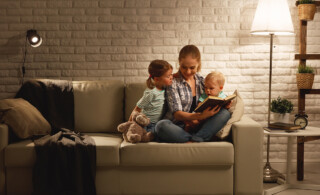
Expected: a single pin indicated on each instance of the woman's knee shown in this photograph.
(224, 114)
(162, 124)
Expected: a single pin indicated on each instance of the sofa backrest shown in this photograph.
(98, 105)
(133, 92)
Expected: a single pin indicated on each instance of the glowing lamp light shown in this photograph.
(34, 38)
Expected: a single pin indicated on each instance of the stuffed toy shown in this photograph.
(133, 131)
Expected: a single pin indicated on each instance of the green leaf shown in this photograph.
(281, 106)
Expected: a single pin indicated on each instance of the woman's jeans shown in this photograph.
(167, 131)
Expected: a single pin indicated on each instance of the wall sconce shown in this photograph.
(34, 39)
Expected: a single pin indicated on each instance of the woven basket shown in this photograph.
(305, 80)
(306, 11)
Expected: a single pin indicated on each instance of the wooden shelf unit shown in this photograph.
(302, 99)
(307, 57)
(303, 57)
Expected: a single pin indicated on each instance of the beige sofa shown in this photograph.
(144, 168)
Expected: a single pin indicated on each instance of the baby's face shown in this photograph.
(212, 87)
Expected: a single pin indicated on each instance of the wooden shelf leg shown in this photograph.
(303, 40)
(300, 158)
(301, 102)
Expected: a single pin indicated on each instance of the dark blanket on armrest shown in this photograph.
(54, 99)
(65, 160)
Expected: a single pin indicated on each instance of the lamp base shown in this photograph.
(271, 175)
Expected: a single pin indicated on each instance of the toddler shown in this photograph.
(152, 102)
(213, 85)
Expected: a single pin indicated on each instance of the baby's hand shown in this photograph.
(228, 106)
(194, 122)
(191, 125)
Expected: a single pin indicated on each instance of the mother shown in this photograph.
(182, 97)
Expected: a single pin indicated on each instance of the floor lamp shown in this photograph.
(272, 18)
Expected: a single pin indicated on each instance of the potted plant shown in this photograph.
(307, 9)
(281, 109)
(305, 77)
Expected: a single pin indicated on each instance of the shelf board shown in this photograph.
(307, 57)
(310, 91)
(316, 2)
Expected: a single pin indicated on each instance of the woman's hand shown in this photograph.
(186, 116)
(210, 112)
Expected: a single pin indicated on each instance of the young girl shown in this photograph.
(152, 102)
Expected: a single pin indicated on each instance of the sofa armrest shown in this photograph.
(4, 137)
(247, 138)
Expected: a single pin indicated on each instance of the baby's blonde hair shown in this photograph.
(216, 76)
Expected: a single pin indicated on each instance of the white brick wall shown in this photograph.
(116, 39)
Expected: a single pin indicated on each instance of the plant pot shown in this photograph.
(281, 118)
(306, 11)
(305, 80)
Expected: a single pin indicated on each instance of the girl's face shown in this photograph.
(188, 67)
(164, 80)
(212, 87)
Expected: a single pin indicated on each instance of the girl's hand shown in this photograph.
(210, 112)
(136, 109)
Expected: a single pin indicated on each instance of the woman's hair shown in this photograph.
(216, 76)
(156, 69)
(193, 51)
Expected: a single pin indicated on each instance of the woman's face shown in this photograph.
(188, 66)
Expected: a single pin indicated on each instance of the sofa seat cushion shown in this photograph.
(167, 154)
(22, 154)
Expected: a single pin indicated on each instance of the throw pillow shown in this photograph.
(237, 109)
(23, 118)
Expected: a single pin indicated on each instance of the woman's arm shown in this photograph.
(183, 116)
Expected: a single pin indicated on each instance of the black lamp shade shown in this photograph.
(33, 38)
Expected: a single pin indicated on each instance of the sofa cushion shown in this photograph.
(107, 147)
(23, 118)
(22, 154)
(237, 109)
(165, 154)
(133, 93)
(98, 105)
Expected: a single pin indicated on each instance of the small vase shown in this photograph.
(305, 80)
(281, 118)
(306, 11)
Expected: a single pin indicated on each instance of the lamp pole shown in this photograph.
(270, 175)
(270, 75)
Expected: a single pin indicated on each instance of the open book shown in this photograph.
(212, 101)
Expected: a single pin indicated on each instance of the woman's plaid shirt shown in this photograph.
(179, 94)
